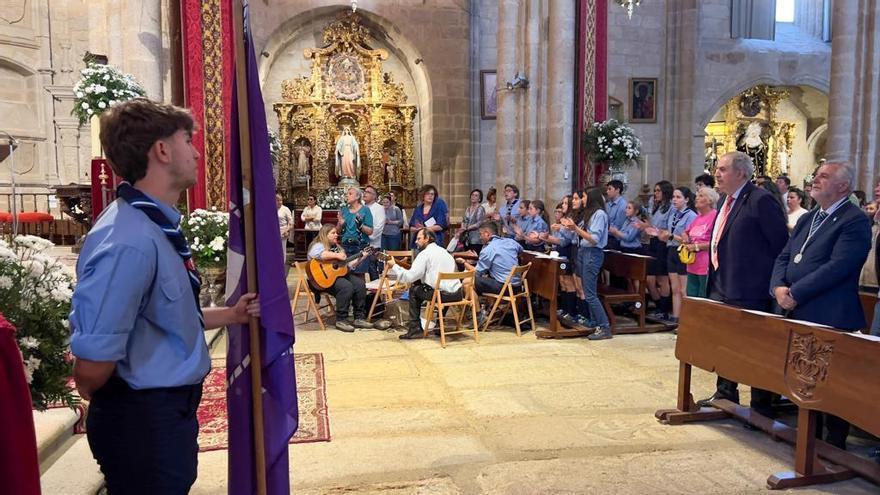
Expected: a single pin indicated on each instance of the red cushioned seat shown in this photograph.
(34, 217)
(5, 217)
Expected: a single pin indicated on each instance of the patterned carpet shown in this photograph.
(314, 421)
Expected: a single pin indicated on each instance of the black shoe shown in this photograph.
(718, 395)
(362, 324)
(413, 333)
(344, 326)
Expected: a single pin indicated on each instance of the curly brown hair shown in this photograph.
(131, 128)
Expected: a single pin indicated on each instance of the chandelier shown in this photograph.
(354, 5)
(629, 5)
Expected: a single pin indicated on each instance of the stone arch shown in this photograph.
(384, 30)
(823, 85)
(816, 141)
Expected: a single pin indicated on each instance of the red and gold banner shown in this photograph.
(592, 78)
(206, 27)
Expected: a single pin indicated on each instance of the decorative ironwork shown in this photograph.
(807, 363)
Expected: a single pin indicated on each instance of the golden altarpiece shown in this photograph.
(751, 125)
(347, 123)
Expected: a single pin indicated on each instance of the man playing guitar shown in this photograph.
(348, 289)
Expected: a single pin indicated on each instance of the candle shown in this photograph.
(645, 171)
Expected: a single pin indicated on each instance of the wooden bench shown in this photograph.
(818, 368)
(633, 268)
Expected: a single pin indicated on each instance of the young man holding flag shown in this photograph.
(137, 326)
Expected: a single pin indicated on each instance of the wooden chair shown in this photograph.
(468, 300)
(511, 297)
(303, 289)
(389, 289)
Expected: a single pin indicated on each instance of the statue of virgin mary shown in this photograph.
(348, 158)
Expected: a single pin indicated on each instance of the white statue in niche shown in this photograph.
(348, 158)
(302, 160)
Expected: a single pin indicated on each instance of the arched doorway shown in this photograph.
(776, 125)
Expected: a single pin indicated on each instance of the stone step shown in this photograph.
(53, 427)
(75, 471)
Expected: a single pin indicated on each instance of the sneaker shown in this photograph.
(581, 320)
(481, 318)
(657, 315)
(344, 326)
(362, 324)
(600, 334)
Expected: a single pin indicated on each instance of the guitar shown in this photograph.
(323, 273)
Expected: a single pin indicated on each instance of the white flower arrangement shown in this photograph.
(612, 142)
(101, 87)
(332, 199)
(208, 234)
(35, 294)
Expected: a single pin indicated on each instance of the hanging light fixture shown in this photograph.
(629, 5)
(354, 5)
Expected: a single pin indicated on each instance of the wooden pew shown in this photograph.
(818, 368)
(543, 280)
(633, 268)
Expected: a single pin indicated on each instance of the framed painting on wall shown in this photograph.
(643, 100)
(488, 94)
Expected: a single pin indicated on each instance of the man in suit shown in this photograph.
(816, 276)
(749, 232)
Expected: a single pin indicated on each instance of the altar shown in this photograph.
(348, 123)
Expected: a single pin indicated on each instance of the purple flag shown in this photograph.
(280, 414)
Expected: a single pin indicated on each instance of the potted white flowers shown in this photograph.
(101, 87)
(613, 143)
(35, 293)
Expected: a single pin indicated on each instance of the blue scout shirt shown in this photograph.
(498, 258)
(134, 305)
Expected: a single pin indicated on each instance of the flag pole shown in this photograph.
(249, 240)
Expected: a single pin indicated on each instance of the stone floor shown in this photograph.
(516, 415)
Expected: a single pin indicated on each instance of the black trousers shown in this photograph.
(350, 291)
(761, 399)
(145, 440)
(421, 293)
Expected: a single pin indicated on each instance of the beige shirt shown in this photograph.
(315, 213)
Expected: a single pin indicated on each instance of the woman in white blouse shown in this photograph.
(311, 216)
(794, 201)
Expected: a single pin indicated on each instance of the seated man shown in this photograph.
(498, 257)
(349, 290)
(431, 261)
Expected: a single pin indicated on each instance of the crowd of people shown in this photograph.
(684, 229)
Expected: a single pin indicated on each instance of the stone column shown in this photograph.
(506, 124)
(682, 144)
(854, 128)
(560, 121)
(142, 43)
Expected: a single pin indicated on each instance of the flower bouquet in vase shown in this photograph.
(208, 234)
(614, 144)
